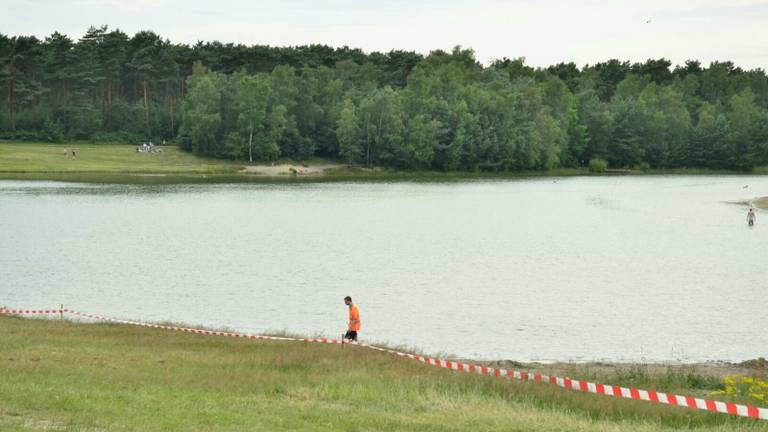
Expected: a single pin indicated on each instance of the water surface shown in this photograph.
(648, 268)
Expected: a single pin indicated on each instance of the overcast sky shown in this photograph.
(543, 31)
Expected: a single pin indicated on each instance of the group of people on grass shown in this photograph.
(74, 153)
(148, 147)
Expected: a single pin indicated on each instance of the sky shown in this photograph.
(544, 32)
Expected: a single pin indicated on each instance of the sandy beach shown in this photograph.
(290, 169)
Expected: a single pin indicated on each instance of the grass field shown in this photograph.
(106, 162)
(64, 376)
(110, 163)
(103, 158)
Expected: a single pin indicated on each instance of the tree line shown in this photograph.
(443, 111)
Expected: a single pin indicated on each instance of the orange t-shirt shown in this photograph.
(354, 314)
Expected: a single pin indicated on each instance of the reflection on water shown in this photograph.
(617, 268)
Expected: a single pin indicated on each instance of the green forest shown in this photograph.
(445, 111)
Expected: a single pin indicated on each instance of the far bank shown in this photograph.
(119, 163)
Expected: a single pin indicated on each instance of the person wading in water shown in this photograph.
(751, 217)
(354, 320)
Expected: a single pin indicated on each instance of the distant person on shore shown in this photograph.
(354, 320)
(751, 217)
(74, 153)
(65, 153)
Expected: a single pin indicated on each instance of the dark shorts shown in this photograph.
(751, 222)
(351, 335)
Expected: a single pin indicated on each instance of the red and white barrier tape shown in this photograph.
(32, 311)
(180, 329)
(567, 383)
(602, 389)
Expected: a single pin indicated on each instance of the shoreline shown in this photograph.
(758, 364)
(713, 368)
(119, 163)
(103, 376)
(761, 203)
(314, 174)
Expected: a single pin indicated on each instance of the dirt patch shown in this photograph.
(758, 363)
(297, 169)
(761, 203)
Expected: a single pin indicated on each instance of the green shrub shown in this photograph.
(598, 165)
(643, 166)
(698, 381)
(233, 147)
(53, 131)
(118, 138)
(23, 135)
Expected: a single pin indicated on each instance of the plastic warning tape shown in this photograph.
(180, 329)
(32, 311)
(203, 331)
(589, 387)
(567, 383)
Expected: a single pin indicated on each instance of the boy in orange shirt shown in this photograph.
(354, 320)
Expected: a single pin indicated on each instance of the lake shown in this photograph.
(634, 268)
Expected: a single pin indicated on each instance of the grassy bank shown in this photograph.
(109, 163)
(60, 375)
(34, 158)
